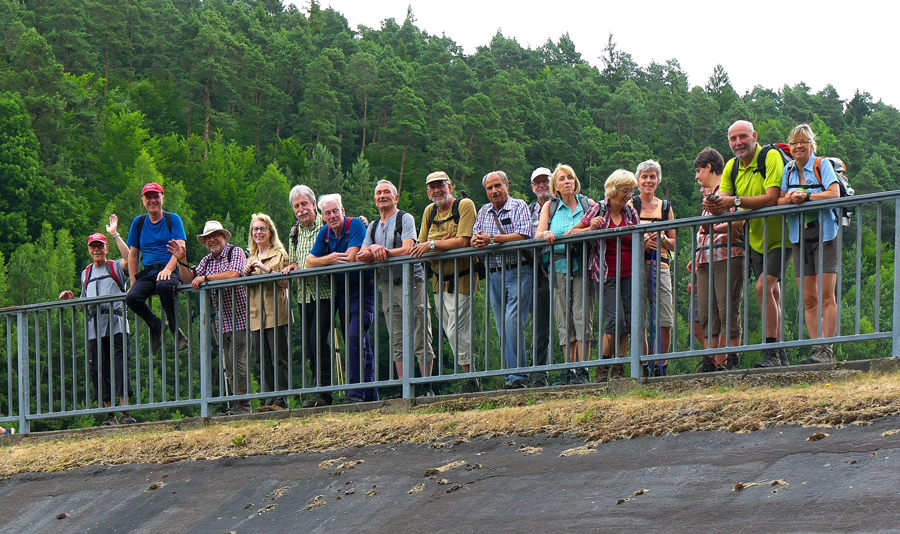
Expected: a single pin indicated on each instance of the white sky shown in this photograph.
(848, 44)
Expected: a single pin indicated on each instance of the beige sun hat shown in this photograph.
(212, 227)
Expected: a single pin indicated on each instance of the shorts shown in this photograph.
(610, 306)
(810, 260)
(665, 314)
(775, 263)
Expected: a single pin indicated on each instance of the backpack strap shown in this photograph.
(398, 229)
(87, 276)
(143, 217)
(554, 205)
(636, 204)
(111, 266)
(111, 270)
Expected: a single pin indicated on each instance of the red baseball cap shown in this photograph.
(97, 237)
(152, 187)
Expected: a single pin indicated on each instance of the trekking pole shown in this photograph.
(651, 342)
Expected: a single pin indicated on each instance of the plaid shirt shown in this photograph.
(515, 218)
(598, 269)
(298, 253)
(719, 241)
(237, 296)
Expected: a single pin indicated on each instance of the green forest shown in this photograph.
(230, 103)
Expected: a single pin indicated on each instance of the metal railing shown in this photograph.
(49, 374)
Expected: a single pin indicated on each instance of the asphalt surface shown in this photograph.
(847, 481)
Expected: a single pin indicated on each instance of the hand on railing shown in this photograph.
(66, 295)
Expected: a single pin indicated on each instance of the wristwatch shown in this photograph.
(808, 194)
(431, 245)
(737, 201)
(492, 239)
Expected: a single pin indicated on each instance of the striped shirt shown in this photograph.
(719, 240)
(514, 217)
(298, 253)
(233, 299)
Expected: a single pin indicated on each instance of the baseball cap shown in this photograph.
(541, 171)
(152, 187)
(438, 176)
(97, 237)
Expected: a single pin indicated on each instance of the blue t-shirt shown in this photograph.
(155, 238)
(351, 237)
(790, 181)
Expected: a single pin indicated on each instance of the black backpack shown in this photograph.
(454, 212)
(666, 207)
(398, 229)
(783, 150)
(140, 225)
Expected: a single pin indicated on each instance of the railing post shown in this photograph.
(409, 328)
(895, 326)
(24, 378)
(637, 302)
(205, 353)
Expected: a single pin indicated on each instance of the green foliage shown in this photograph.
(39, 271)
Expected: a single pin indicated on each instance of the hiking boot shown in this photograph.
(518, 383)
(238, 408)
(471, 386)
(733, 361)
(182, 340)
(539, 382)
(110, 421)
(566, 378)
(601, 375)
(352, 399)
(156, 340)
(783, 357)
(820, 354)
(707, 365)
(617, 371)
(579, 378)
(655, 369)
(770, 358)
(426, 391)
(126, 419)
(315, 401)
(397, 395)
(263, 409)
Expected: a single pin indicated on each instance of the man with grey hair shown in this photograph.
(447, 225)
(752, 180)
(314, 295)
(392, 235)
(505, 220)
(338, 243)
(540, 186)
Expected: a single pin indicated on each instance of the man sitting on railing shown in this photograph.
(224, 262)
(504, 220)
(148, 238)
(106, 322)
(337, 244)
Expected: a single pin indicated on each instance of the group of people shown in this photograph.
(564, 278)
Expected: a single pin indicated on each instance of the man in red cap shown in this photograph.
(106, 323)
(149, 238)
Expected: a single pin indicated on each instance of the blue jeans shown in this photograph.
(514, 311)
(351, 319)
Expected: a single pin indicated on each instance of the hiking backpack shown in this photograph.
(840, 171)
(783, 149)
(398, 229)
(110, 267)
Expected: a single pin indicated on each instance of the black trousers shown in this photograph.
(317, 319)
(99, 364)
(144, 286)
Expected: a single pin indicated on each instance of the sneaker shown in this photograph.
(770, 358)
(472, 386)
(518, 383)
(110, 421)
(733, 361)
(126, 419)
(397, 395)
(578, 379)
(352, 399)
(820, 354)
(426, 391)
(7, 431)
(315, 401)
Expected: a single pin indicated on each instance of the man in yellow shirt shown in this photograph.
(757, 184)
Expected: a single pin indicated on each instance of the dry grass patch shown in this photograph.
(594, 415)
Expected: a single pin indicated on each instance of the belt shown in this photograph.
(507, 267)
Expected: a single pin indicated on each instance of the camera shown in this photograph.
(712, 197)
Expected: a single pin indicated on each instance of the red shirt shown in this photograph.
(611, 251)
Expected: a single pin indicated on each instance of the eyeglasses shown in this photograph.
(260, 229)
(627, 192)
(540, 181)
(799, 143)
